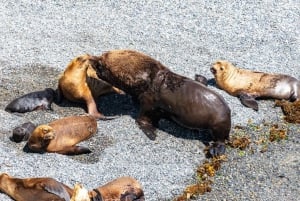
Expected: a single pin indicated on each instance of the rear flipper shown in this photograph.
(56, 188)
(248, 101)
(75, 150)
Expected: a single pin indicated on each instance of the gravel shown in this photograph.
(38, 39)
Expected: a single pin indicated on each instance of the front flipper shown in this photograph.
(216, 149)
(74, 150)
(201, 79)
(248, 101)
(147, 127)
(56, 188)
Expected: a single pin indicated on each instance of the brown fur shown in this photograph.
(32, 189)
(164, 94)
(120, 189)
(79, 83)
(235, 81)
(62, 135)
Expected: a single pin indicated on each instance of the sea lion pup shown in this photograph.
(164, 94)
(22, 132)
(32, 189)
(80, 193)
(121, 189)
(79, 83)
(62, 135)
(248, 85)
(38, 100)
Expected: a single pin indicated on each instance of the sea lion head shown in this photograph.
(83, 62)
(221, 69)
(40, 138)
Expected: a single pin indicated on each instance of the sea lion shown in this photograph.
(79, 83)
(38, 100)
(248, 85)
(62, 135)
(164, 94)
(32, 189)
(22, 132)
(201, 79)
(80, 193)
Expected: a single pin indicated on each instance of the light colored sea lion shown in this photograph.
(120, 189)
(23, 132)
(38, 100)
(62, 135)
(33, 189)
(79, 83)
(248, 85)
(164, 94)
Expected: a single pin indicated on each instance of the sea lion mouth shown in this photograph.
(214, 71)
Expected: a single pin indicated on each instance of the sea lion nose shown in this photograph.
(213, 70)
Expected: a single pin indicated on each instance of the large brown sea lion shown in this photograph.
(248, 85)
(164, 94)
(79, 83)
(120, 189)
(62, 135)
(33, 189)
(38, 100)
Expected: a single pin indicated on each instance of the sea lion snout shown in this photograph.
(213, 70)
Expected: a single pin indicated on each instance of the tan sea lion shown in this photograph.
(38, 100)
(33, 189)
(248, 85)
(164, 94)
(62, 135)
(120, 189)
(79, 83)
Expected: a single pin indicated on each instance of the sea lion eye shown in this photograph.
(222, 68)
(45, 130)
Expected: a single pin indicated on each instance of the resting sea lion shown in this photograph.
(248, 85)
(23, 132)
(62, 135)
(32, 189)
(79, 83)
(120, 189)
(164, 94)
(32, 101)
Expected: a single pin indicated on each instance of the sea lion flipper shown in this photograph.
(75, 150)
(248, 101)
(57, 189)
(217, 148)
(147, 128)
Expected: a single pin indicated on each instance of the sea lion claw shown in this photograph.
(147, 128)
(105, 118)
(217, 149)
(248, 101)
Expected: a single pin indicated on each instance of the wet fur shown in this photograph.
(164, 94)
(62, 135)
(32, 101)
(32, 189)
(249, 85)
(79, 83)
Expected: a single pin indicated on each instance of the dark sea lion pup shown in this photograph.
(62, 135)
(164, 94)
(33, 189)
(121, 189)
(248, 85)
(38, 100)
(22, 132)
(79, 83)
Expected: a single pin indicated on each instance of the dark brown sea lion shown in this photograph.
(32, 101)
(164, 94)
(33, 189)
(62, 135)
(79, 83)
(22, 132)
(120, 189)
(248, 85)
